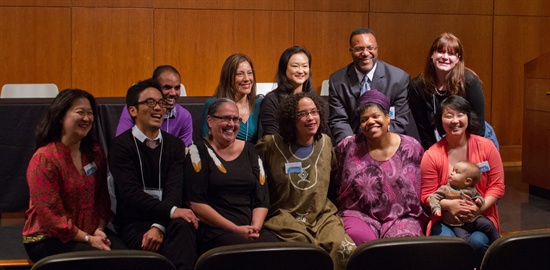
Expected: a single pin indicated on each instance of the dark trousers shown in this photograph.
(53, 246)
(178, 245)
(481, 224)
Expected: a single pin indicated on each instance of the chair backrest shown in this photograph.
(266, 256)
(183, 93)
(264, 88)
(324, 88)
(105, 260)
(528, 250)
(422, 252)
(31, 90)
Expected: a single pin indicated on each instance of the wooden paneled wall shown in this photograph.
(103, 46)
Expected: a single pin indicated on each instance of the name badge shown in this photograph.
(392, 112)
(90, 168)
(484, 166)
(293, 167)
(155, 193)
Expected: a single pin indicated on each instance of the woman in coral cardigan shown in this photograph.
(460, 143)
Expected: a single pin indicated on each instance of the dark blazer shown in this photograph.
(344, 90)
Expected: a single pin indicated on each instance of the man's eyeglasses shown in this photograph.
(303, 114)
(369, 48)
(226, 119)
(152, 103)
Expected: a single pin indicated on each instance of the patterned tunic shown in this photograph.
(300, 210)
(61, 199)
(381, 193)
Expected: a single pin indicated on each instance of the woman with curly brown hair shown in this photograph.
(299, 163)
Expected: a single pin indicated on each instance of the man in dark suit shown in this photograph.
(147, 167)
(365, 73)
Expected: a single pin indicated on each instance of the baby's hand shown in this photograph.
(478, 202)
(437, 213)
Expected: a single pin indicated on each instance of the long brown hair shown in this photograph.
(227, 79)
(456, 79)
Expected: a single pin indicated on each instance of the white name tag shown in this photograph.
(484, 166)
(156, 193)
(392, 112)
(90, 168)
(293, 167)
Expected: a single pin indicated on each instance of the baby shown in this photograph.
(462, 186)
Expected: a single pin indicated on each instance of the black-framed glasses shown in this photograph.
(304, 114)
(152, 103)
(226, 119)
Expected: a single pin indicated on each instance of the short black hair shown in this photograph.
(132, 96)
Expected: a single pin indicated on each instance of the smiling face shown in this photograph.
(444, 60)
(297, 70)
(454, 122)
(148, 119)
(222, 126)
(244, 79)
(374, 123)
(364, 52)
(307, 121)
(78, 120)
(170, 84)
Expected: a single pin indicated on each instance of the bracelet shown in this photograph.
(86, 238)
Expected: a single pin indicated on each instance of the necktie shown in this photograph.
(365, 84)
(151, 143)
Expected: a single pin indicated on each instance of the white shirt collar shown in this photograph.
(138, 134)
(370, 75)
(172, 113)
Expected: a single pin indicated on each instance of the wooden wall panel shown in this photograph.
(401, 44)
(224, 4)
(522, 7)
(112, 48)
(333, 6)
(326, 36)
(433, 6)
(199, 51)
(35, 46)
(111, 3)
(517, 41)
(35, 3)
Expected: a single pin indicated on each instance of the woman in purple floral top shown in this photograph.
(378, 180)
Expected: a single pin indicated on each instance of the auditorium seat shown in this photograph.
(105, 260)
(413, 253)
(31, 90)
(525, 250)
(266, 256)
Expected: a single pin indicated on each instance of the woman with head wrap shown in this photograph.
(378, 179)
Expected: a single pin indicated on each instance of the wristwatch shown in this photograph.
(86, 238)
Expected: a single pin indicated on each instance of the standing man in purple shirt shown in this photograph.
(177, 120)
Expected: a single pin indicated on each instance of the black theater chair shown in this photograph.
(266, 256)
(105, 260)
(527, 250)
(411, 253)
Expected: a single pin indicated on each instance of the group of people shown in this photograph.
(405, 158)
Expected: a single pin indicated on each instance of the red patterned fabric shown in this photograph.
(61, 199)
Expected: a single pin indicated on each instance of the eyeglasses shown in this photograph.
(226, 119)
(152, 103)
(369, 48)
(303, 114)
